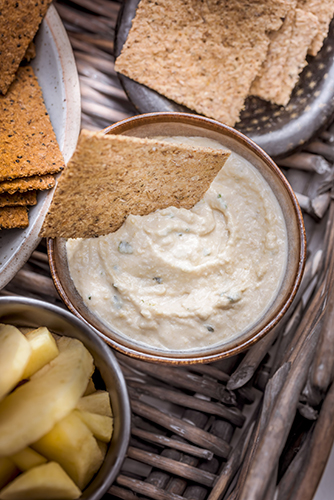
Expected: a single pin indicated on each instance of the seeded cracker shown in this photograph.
(28, 144)
(286, 57)
(324, 10)
(111, 176)
(13, 217)
(27, 184)
(18, 199)
(19, 21)
(204, 55)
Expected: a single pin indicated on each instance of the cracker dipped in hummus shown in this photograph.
(185, 277)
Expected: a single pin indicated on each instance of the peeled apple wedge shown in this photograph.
(43, 350)
(90, 388)
(27, 459)
(35, 407)
(8, 471)
(14, 355)
(100, 425)
(42, 482)
(98, 402)
(73, 446)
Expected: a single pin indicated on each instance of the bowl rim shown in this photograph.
(108, 356)
(190, 357)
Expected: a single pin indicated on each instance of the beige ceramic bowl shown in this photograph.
(169, 124)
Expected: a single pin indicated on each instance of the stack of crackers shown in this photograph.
(210, 55)
(29, 153)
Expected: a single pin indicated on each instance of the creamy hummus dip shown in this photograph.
(181, 279)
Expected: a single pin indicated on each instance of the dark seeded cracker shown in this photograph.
(18, 199)
(111, 176)
(27, 184)
(203, 55)
(19, 21)
(28, 145)
(13, 217)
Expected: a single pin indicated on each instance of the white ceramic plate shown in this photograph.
(56, 71)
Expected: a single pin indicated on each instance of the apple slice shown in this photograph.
(98, 402)
(73, 446)
(42, 482)
(8, 471)
(90, 388)
(35, 407)
(14, 355)
(43, 350)
(27, 459)
(100, 425)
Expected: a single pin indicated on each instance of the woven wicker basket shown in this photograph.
(253, 427)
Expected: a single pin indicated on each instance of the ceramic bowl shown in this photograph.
(33, 313)
(57, 75)
(168, 124)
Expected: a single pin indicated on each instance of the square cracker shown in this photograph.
(111, 176)
(203, 55)
(286, 57)
(19, 21)
(324, 10)
(18, 199)
(27, 184)
(28, 145)
(13, 217)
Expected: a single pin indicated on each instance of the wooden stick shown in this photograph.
(173, 443)
(99, 63)
(322, 149)
(182, 428)
(172, 466)
(233, 415)
(85, 21)
(322, 368)
(287, 483)
(306, 161)
(111, 115)
(109, 90)
(93, 39)
(35, 282)
(182, 378)
(145, 489)
(101, 7)
(232, 465)
(271, 445)
(89, 48)
(321, 444)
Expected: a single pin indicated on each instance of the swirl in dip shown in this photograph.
(180, 279)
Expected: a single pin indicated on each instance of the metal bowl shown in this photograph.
(168, 124)
(277, 129)
(33, 313)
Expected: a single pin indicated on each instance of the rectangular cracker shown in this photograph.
(19, 22)
(18, 199)
(111, 176)
(27, 184)
(324, 10)
(13, 217)
(28, 145)
(203, 55)
(286, 57)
